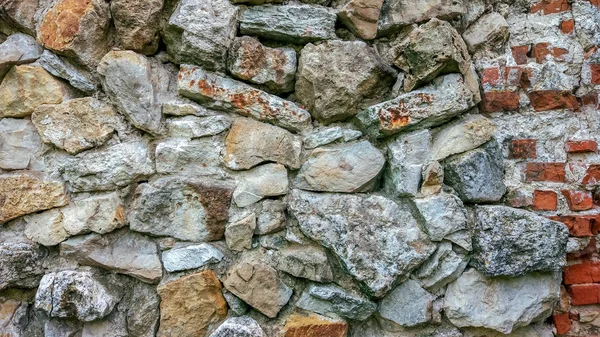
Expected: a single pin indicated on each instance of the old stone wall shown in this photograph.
(323, 168)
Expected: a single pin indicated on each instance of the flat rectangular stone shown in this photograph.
(221, 93)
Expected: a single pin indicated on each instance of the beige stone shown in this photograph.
(77, 29)
(137, 23)
(258, 284)
(238, 234)
(250, 143)
(26, 87)
(28, 192)
(360, 16)
(314, 326)
(191, 305)
(75, 125)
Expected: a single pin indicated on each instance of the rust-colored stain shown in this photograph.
(399, 115)
(62, 23)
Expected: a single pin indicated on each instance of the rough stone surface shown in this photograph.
(221, 93)
(513, 242)
(76, 294)
(330, 299)
(267, 180)
(190, 257)
(447, 97)
(360, 78)
(121, 251)
(18, 48)
(21, 265)
(354, 227)
(324, 136)
(399, 13)
(351, 167)
(444, 266)
(360, 16)
(243, 326)
(20, 144)
(314, 326)
(137, 24)
(257, 284)
(407, 305)
(195, 127)
(443, 214)
(238, 234)
(274, 69)
(477, 175)
(200, 32)
(289, 23)
(75, 125)
(197, 156)
(184, 209)
(27, 192)
(490, 31)
(463, 135)
(128, 80)
(406, 158)
(62, 68)
(108, 168)
(250, 143)
(13, 315)
(191, 305)
(77, 29)
(271, 218)
(305, 261)
(26, 87)
(513, 302)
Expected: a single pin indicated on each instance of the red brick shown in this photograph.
(567, 26)
(523, 149)
(590, 99)
(580, 146)
(579, 200)
(543, 49)
(595, 69)
(550, 6)
(579, 226)
(544, 200)
(525, 81)
(554, 172)
(592, 175)
(582, 294)
(545, 100)
(520, 54)
(562, 323)
(496, 101)
(491, 76)
(586, 272)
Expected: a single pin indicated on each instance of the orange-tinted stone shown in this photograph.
(541, 50)
(550, 6)
(581, 146)
(523, 149)
(520, 54)
(567, 26)
(562, 323)
(579, 200)
(554, 172)
(496, 101)
(314, 326)
(61, 24)
(544, 200)
(545, 100)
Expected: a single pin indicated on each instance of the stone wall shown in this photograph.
(324, 168)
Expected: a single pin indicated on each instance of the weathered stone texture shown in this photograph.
(20, 145)
(137, 24)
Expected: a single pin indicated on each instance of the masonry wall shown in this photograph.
(322, 168)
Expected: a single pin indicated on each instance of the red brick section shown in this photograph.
(543, 49)
(520, 54)
(552, 172)
(579, 225)
(523, 149)
(592, 176)
(545, 200)
(562, 323)
(502, 100)
(590, 99)
(491, 76)
(550, 6)
(582, 294)
(579, 200)
(581, 146)
(595, 69)
(581, 273)
(567, 26)
(545, 100)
